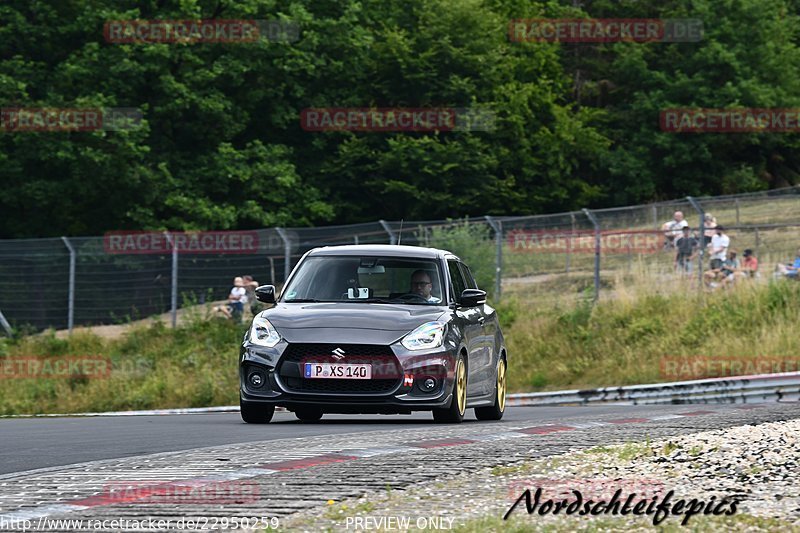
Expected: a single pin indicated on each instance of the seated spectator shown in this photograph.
(789, 270)
(724, 273)
(709, 229)
(730, 267)
(687, 247)
(749, 265)
(236, 300)
(673, 228)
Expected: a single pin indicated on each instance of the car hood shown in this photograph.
(367, 321)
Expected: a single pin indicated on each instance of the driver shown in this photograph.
(421, 285)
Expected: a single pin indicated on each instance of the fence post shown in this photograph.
(6, 325)
(702, 235)
(758, 241)
(569, 242)
(287, 253)
(387, 229)
(174, 282)
(272, 270)
(497, 226)
(71, 297)
(355, 239)
(593, 220)
(737, 211)
(655, 217)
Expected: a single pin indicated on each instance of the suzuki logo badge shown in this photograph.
(338, 353)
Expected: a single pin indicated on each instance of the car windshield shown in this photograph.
(366, 279)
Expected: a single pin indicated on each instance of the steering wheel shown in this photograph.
(411, 296)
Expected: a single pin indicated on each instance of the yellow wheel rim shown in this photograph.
(461, 385)
(501, 385)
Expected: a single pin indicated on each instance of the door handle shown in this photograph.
(481, 320)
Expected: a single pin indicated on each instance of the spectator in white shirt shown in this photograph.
(719, 247)
(673, 228)
(236, 300)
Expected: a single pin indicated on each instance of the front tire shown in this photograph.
(308, 414)
(458, 403)
(495, 412)
(256, 413)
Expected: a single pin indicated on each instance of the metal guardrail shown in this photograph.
(761, 388)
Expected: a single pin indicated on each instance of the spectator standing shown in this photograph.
(250, 292)
(719, 247)
(709, 228)
(673, 228)
(687, 247)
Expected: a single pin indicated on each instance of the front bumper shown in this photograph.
(398, 388)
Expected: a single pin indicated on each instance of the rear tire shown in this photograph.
(495, 412)
(256, 413)
(458, 403)
(308, 414)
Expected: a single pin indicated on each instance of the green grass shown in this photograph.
(554, 342)
(634, 336)
(152, 367)
(627, 452)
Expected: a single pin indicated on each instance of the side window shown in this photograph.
(456, 278)
(470, 281)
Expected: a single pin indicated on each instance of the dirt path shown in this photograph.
(116, 331)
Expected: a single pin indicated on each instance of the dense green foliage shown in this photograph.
(221, 145)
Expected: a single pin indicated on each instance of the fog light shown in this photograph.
(256, 379)
(428, 384)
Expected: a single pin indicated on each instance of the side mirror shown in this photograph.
(266, 294)
(472, 297)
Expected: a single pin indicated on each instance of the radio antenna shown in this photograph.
(400, 233)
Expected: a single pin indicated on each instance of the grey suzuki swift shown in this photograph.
(374, 329)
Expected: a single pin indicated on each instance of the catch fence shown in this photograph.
(74, 281)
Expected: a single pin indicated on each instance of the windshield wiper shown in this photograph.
(302, 300)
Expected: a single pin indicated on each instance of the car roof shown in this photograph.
(389, 250)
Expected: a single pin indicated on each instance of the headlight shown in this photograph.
(263, 333)
(428, 335)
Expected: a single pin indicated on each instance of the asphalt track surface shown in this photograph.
(34, 443)
(291, 468)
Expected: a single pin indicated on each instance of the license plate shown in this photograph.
(335, 371)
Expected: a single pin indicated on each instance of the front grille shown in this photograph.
(341, 386)
(386, 370)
